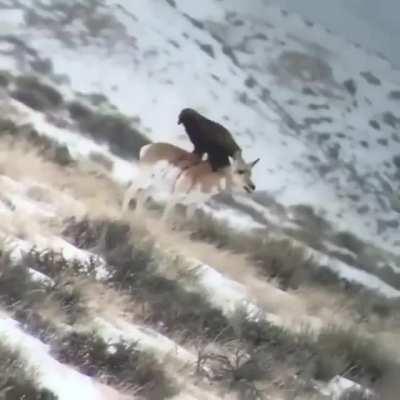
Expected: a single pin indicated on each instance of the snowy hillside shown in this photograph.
(290, 293)
(321, 112)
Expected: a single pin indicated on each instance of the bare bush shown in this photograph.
(114, 129)
(36, 94)
(117, 364)
(16, 381)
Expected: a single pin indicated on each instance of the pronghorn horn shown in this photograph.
(252, 164)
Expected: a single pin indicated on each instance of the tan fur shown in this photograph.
(194, 181)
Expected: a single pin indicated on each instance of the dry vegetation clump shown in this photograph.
(133, 260)
(276, 258)
(48, 148)
(36, 94)
(366, 257)
(16, 282)
(367, 304)
(5, 78)
(27, 297)
(356, 394)
(120, 365)
(335, 351)
(16, 381)
(313, 228)
(347, 352)
(102, 160)
(114, 129)
(349, 241)
(292, 266)
(132, 265)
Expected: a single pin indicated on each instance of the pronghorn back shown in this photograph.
(194, 174)
(154, 152)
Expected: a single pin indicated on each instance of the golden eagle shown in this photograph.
(209, 137)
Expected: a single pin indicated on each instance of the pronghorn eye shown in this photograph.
(241, 171)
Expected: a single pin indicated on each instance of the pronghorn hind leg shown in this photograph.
(191, 211)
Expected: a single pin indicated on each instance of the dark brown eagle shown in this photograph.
(209, 137)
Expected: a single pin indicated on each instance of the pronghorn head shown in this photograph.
(241, 173)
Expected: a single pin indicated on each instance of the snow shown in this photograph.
(341, 250)
(11, 21)
(146, 73)
(237, 220)
(339, 385)
(63, 381)
(144, 337)
(353, 274)
(226, 294)
(78, 145)
(159, 80)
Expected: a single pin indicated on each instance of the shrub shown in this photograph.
(102, 160)
(113, 129)
(345, 351)
(132, 262)
(356, 394)
(16, 283)
(335, 351)
(16, 381)
(276, 258)
(5, 78)
(117, 364)
(36, 94)
(349, 241)
(7, 127)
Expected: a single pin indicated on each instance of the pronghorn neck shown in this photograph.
(226, 174)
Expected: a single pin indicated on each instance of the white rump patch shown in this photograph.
(144, 150)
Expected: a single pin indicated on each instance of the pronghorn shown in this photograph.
(189, 180)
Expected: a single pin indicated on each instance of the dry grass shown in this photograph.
(322, 356)
(119, 365)
(131, 260)
(114, 129)
(16, 381)
(276, 258)
(34, 304)
(36, 94)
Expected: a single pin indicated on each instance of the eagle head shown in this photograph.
(186, 115)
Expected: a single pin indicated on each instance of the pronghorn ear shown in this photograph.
(252, 164)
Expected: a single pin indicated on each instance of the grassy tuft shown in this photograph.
(349, 241)
(114, 129)
(5, 78)
(117, 364)
(335, 351)
(132, 261)
(276, 258)
(16, 382)
(16, 284)
(346, 352)
(36, 94)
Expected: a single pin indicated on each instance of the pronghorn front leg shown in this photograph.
(169, 208)
(129, 194)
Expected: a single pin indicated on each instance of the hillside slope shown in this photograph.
(322, 112)
(291, 293)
